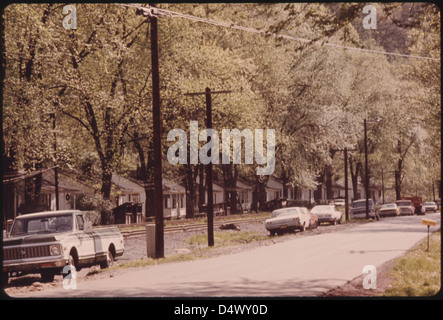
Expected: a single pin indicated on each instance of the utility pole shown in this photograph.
(156, 114)
(345, 153)
(346, 185)
(383, 184)
(57, 200)
(210, 207)
(209, 172)
(366, 171)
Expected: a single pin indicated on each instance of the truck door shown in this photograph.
(86, 248)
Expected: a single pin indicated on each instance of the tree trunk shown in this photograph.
(190, 191)
(328, 182)
(106, 184)
(230, 176)
(354, 176)
(285, 180)
(201, 187)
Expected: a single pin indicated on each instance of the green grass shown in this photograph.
(228, 238)
(150, 261)
(418, 273)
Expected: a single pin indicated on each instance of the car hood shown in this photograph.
(30, 239)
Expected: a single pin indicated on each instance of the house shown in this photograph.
(20, 189)
(127, 190)
(244, 192)
(300, 194)
(218, 197)
(174, 199)
(273, 188)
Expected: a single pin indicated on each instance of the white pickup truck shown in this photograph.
(46, 242)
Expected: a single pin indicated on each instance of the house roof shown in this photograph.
(169, 186)
(274, 184)
(66, 181)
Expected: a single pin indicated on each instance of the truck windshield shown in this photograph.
(47, 224)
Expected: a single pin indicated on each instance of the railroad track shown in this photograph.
(190, 227)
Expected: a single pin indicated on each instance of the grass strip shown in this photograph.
(418, 273)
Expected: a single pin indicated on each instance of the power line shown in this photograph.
(57, 64)
(151, 11)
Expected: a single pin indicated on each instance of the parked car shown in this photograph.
(327, 213)
(287, 219)
(339, 202)
(429, 206)
(46, 242)
(358, 209)
(313, 223)
(406, 207)
(389, 209)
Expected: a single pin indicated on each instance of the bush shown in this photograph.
(94, 202)
(93, 216)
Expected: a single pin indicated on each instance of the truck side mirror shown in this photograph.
(88, 226)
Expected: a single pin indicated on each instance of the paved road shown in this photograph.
(305, 266)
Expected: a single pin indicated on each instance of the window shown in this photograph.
(182, 201)
(80, 222)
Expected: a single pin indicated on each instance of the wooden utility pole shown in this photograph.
(57, 200)
(210, 207)
(366, 170)
(346, 185)
(209, 172)
(156, 114)
(345, 151)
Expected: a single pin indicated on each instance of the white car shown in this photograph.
(429, 206)
(327, 213)
(389, 209)
(287, 219)
(339, 202)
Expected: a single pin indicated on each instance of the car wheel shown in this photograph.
(108, 262)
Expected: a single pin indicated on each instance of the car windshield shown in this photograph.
(322, 209)
(429, 203)
(388, 205)
(284, 213)
(47, 224)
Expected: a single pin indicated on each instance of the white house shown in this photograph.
(274, 188)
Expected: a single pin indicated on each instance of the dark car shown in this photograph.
(358, 209)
